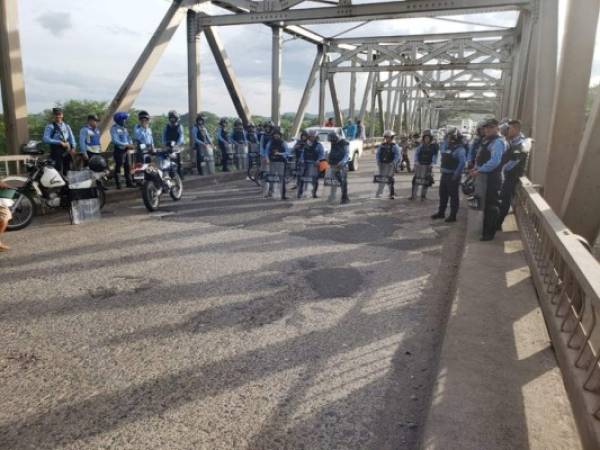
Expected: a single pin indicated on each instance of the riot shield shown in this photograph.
(83, 197)
(208, 157)
(241, 156)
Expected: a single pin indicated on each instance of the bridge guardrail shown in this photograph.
(567, 279)
(13, 164)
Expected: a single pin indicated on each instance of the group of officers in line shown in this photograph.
(496, 151)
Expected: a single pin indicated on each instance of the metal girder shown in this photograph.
(337, 111)
(371, 11)
(14, 103)
(224, 65)
(420, 67)
(276, 76)
(312, 78)
(193, 56)
(401, 39)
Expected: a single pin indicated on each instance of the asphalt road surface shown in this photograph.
(226, 321)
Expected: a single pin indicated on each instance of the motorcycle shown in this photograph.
(44, 187)
(161, 176)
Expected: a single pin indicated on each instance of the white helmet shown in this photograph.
(389, 133)
(313, 133)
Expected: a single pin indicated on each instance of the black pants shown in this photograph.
(308, 169)
(61, 158)
(449, 190)
(506, 195)
(121, 160)
(224, 158)
(199, 160)
(342, 177)
(491, 212)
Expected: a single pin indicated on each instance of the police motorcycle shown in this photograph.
(161, 176)
(45, 187)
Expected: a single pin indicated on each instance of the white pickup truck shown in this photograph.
(356, 145)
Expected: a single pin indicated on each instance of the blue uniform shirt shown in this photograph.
(461, 154)
(120, 136)
(143, 135)
(88, 136)
(350, 131)
(238, 136)
(285, 148)
(264, 141)
(497, 149)
(222, 136)
(198, 137)
(395, 151)
(319, 150)
(53, 136)
(510, 165)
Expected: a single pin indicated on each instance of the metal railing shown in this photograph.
(12, 164)
(567, 280)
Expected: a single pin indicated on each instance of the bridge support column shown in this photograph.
(322, 92)
(276, 76)
(579, 209)
(143, 67)
(365, 99)
(14, 103)
(310, 83)
(224, 65)
(339, 120)
(568, 112)
(352, 105)
(544, 89)
(193, 53)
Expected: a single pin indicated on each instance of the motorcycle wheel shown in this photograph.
(177, 190)
(23, 215)
(150, 196)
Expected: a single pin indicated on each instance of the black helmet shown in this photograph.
(97, 164)
(276, 131)
(250, 126)
(173, 115)
(143, 115)
(237, 123)
(269, 124)
(200, 118)
(303, 133)
(454, 136)
(333, 137)
(222, 120)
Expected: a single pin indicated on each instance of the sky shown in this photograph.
(74, 49)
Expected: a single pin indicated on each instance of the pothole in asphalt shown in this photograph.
(336, 282)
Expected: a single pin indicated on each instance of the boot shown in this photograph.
(451, 218)
(438, 215)
(117, 182)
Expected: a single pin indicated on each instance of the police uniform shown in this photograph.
(489, 163)
(387, 155)
(54, 135)
(514, 162)
(277, 153)
(312, 153)
(173, 133)
(89, 144)
(425, 157)
(339, 156)
(121, 139)
(143, 137)
(201, 139)
(452, 165)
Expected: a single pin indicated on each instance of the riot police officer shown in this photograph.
(277, 153)
(387, 156)
(489, 164)
(142, 136)
(514, 162)
(312, 154)
(173, 136)
(121, 143)
(89, 140)
(452, 166)
(425, 156)
(201, 140)
(224, 143)
(339, 155)
(60, 137)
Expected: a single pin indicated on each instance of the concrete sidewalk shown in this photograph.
(498, 384)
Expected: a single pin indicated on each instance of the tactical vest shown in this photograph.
(426, 154)
(298, 149)
(238, 134)
(386, 153)
(276, 147)
(449, 161)
(172, 134)
(336, 155)
(202, 134)
(310, 152)
(485, 154)
(252, 138)
(515, 153)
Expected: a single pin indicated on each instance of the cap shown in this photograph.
(57, 110)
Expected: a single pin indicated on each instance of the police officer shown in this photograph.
(350, 130)
(360, 130)
(121, 143)
(387, 156)
(224, 142)
(251, 134)
(267, 133)
(173, 136)
(475, 145)
(201, 139)
(277, 152)
(489, 163)
(239, 137)
(312, 154)
(514, 163)
(142, 136)
(339, 155)
(297, 150)
(61, 140)
(425, 156)
(452, 165)
(253, 145)
(89, 140)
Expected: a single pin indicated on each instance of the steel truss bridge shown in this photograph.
(507, 72)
